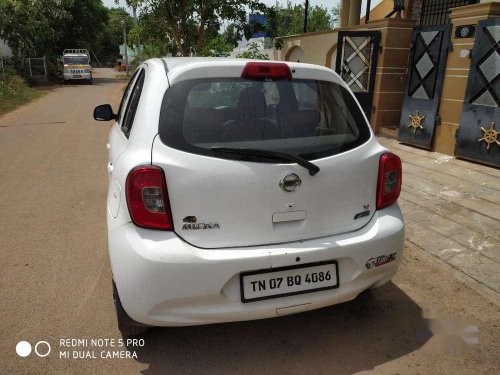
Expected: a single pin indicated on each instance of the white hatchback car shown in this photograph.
(244, 190)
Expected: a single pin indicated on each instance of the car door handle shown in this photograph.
(108, 146)
(110, 168)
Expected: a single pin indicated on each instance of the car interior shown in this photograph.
(260, 112)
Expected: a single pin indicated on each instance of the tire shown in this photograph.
(127, 326)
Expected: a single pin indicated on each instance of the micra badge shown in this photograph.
(380, 260)
(191, 223)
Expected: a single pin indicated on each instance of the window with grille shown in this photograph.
(437, 12)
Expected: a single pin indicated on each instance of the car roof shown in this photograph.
(175, 62)
(172, 65)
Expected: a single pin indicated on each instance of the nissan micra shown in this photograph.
(244, 189)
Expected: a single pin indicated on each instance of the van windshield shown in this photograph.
(308, 118)
(76, 60)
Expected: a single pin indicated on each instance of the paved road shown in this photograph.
(55, 281)
(451, 207)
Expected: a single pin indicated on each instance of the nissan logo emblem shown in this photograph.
(290, 183)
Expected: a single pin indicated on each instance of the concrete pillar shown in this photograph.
(344, 13)
(457, 72)
(354, 12)
(390, 76)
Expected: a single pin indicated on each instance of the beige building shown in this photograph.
(427, 74)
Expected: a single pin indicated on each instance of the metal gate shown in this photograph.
(357, 55)
(424, 83)
(478, 136)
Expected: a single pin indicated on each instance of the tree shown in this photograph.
(289, 20)
(106, 46)
(88, 19)
(217, 47)
(191, 23)
(31, 27)
(135, 4)
(45, 28)
(230, 35)
(336, 16)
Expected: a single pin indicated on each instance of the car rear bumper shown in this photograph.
(70, 76)
(164, 281)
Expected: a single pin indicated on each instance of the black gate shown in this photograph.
(357, 55)
(424, 83)
(478, 136)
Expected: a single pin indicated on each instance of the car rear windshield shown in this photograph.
(76, 60)
(308, 118)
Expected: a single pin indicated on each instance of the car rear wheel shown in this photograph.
(127, 326)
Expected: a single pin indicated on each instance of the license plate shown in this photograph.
(77, 76)
(288, 281)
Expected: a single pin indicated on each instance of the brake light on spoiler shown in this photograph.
(261, 70)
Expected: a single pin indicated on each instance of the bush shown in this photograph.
(14, 91)
(253, 52)
(11, 84)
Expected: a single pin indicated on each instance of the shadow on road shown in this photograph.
(375, 328)
(96, 81)
(101, 81)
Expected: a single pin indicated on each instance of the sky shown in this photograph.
(325, 3)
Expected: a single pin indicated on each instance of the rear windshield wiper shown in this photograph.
(312, 168)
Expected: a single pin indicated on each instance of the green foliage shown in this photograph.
(252, 52)
(289, 19)
(88, 19)
(14, 91)
(217, 47)
(32, 26)
(106, 45)
(191, 24)
(45, 28)
(230, 35)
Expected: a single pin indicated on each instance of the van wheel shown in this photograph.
(127, 326)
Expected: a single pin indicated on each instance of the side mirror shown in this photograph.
(104, 112)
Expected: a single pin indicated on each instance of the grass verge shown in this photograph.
(14, 91)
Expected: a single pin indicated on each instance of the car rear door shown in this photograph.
(219, 202)
(119, 136)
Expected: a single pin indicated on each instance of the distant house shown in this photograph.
(131, 52)
(261, 38)
(5, 50)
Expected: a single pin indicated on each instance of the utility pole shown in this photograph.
(306, 10)
(136, 23)
(125, 45)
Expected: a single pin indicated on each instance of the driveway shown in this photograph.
(55, 280)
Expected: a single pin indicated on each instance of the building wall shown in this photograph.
(316, 47)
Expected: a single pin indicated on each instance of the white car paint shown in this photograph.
(172, 278)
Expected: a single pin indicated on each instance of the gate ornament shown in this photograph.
(490, 136)
(416, 122)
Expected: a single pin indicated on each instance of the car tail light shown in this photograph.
(258, 70)
(389, 180)
(147, 198)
